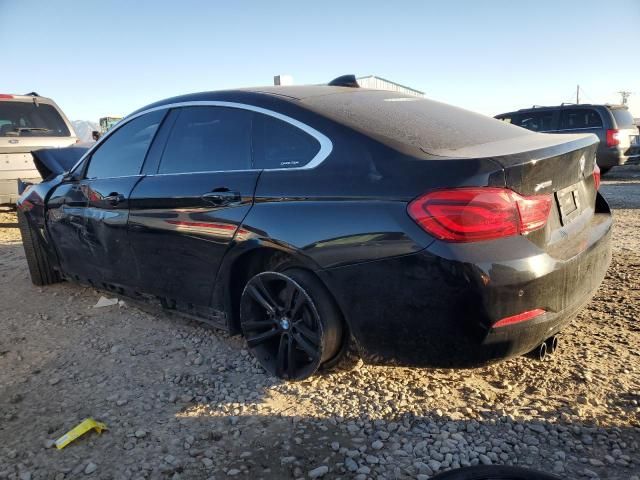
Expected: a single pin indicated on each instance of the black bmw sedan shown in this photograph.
(331, 223)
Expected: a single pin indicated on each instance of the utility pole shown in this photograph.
(577, 94)
(625, 94)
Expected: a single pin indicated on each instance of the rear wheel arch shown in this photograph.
(238, 269)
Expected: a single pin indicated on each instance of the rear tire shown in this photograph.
(291, 323)
(40, 268)
(347, 359)
(604, 170)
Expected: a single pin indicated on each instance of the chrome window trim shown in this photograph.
(326, 146)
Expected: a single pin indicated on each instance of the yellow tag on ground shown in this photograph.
(79, 430)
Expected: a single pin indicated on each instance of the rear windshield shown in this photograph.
(623, 117)
(429, 125)
(27, 119)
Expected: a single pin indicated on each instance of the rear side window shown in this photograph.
(623, 117)
(278, 144)
(28, 119)
(541, 121)
(205, 139)
(580, 118)
(122, 153)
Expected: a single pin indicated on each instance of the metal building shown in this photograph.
(370, 81)
(379, 83)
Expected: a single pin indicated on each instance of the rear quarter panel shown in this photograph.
(352, 207)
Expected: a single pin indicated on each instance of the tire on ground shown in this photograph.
(40, 268)
(347, 358)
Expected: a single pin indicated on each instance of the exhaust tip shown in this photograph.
(552, 344)
(539, 353)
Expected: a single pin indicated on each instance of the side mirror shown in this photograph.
(67, 176)
(73, 175)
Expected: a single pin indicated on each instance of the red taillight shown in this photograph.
(596, 176)
(5, 95)
(613, 138)
(474, 214)
(521, 317)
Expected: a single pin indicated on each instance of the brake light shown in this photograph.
(613, 138)
(475, 214)
(596, 176)
(520, 317)
(5, 95)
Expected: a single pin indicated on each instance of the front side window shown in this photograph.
(573, 118)
(278, 144)
(205, 139)
(536, 121)
(123, 153)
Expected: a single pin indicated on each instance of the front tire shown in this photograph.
(40, 268)
(291, 323)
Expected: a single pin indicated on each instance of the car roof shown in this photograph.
(539, 108)
(27, 97)
(393, 118)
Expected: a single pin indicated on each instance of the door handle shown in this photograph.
(221, 197)
(114, 198)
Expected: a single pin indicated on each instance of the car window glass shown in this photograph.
(536, 121)
(123, 152)
(623, 117)
(29, 119)
(278, 144)
(580, 118)
(208, 139)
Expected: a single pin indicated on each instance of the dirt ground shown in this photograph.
(183, 401)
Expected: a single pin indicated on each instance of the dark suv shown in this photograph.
(613, 124)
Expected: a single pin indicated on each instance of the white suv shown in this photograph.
(27, 123)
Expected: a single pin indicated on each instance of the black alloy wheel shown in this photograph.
(290, 322)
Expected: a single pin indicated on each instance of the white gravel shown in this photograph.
(183, 401)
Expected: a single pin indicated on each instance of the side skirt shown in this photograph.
(207, 315)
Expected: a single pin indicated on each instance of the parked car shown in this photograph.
(27, 123)
(613, 124)
(327, 223)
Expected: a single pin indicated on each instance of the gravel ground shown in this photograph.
(183, 401)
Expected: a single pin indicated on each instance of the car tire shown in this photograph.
(40, 268)
(605, 170)
(494, 472)
(347, 359)
(290, 322)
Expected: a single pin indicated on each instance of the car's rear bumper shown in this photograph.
(613, 157)
(633, 155)
(436, 308)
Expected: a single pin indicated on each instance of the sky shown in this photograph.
(110, 57)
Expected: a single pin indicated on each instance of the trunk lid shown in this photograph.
(538, 163)
(560, 165)
(16, 159)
